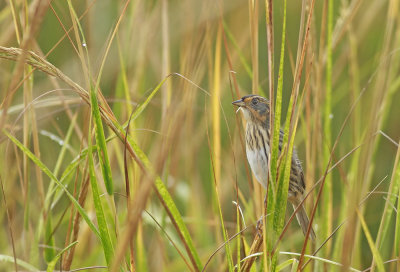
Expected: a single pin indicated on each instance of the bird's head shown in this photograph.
(255, 108)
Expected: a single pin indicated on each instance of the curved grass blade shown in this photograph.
(46, 170)
(142, 106)
(25, 265)
(295, 265)
(161, 190)
(317, 259)
(52, 264)
(166, 199)
(177, 220)
(60, 159)
(286, 263)
(66, 176)
(70, 168)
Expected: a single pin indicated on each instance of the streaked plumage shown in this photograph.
(255, 110)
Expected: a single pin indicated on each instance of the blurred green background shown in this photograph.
(190, 131)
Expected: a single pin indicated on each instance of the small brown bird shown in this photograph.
(256, 110)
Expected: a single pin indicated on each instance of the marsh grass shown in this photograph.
(122, 151)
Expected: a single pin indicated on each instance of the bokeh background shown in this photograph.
(209, 53)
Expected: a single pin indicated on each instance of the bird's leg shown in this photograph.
(260, 221)
(265, 202)
(259, 226)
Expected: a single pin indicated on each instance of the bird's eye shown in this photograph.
(254, 101)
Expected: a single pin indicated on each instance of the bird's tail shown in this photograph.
(303, 220)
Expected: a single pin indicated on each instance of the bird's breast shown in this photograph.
(259, 165)
(257, 151)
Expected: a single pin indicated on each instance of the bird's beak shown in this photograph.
(238, 103)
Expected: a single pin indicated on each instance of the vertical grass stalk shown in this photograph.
(326, 205)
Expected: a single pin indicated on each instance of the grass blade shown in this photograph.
(396, 245)
(390, 203)
(177, 220)
(101, 143)
(101, 221)
(396, 181)
(168, 204)
(25, 265)
(100, 138)
(46, 170)
(326, 204)
(52, 264)
(142, 106)
(279, 207)
(318, 259)
(161, 190)
(278, 103)
(286, 263)
(49, 251)
(374, 250)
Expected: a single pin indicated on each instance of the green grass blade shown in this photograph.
(318, 259)
(284, 179)
(278, 103)
(167, 201)
(142, 106)
(238, 241)
(283, 187)
(396, 245)
(141, 254)
(284, 175)
(49, 251)
(326, 204)
(374, 250)
(295, 265)
(65, 143)
(279, 207)
(25, 265)
(101, 143)
(286, 263)
(389, 205)
(221, 218)
(66, 176)
(51, 266)
(46, 170)
(175, 216)
(239, 52)
(72, 167)
(60, 158)
(124, 88)
(99, 131)
(226, 237)
(162, 191)
(101, 221)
